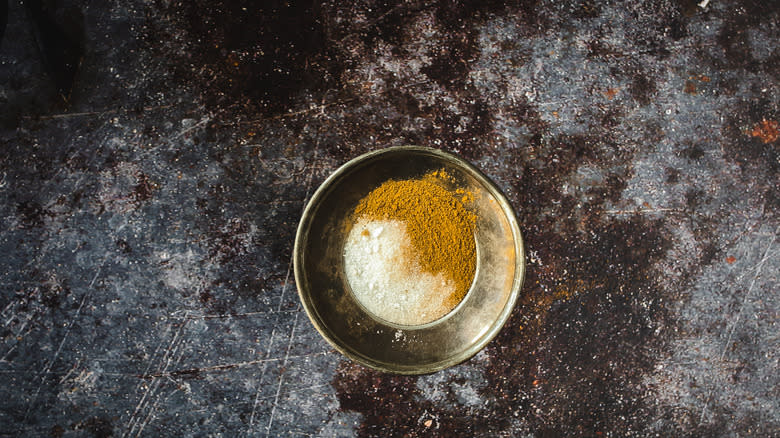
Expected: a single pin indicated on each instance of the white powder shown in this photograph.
(386, 278)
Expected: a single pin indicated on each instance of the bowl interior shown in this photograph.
(331, 306)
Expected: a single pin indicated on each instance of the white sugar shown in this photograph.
(386, 278)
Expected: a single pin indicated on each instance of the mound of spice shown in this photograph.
(410, 255)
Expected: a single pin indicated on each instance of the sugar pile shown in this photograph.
(386, 278)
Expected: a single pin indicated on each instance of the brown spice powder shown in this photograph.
(439, 225)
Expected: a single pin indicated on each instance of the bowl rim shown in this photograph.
(498, 323)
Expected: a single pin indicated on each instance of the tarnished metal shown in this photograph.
(342, 321)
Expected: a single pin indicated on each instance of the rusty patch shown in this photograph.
(610, 93)
(765, 130)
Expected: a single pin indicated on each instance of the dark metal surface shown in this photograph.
(60, 48)
(147, 224)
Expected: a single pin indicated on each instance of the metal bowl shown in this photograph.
(343, 322)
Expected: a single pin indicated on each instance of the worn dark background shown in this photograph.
(156, 157)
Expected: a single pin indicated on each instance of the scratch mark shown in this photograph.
(645, 210)
(8, 306)
(153, 408)
(19, 334)
(284, 288)
(260, 384)
(202, 122)
(190, 371)
(759, 267)
(281, 376)
(149, 364)
(10, 350)
(92, 113)
(223, 367)
(235, 315)
(152, 387)
(70, 371)
(49, 365)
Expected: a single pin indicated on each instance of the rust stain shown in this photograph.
(563, 291)
(766, 131)
(690, 88)
(690, 85)
(610, 93)
(700, 78)
(731, 259)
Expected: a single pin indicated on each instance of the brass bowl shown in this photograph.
(406, 349)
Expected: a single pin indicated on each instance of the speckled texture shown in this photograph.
(148, 221)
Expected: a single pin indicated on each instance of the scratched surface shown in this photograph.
(147, 215)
